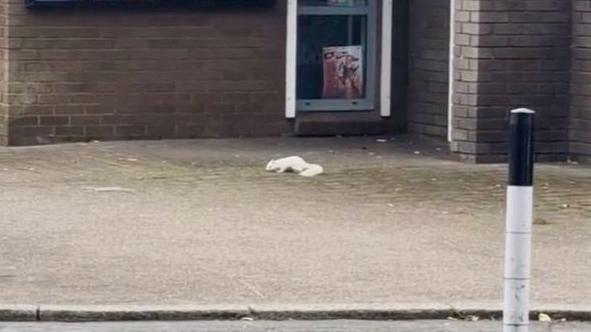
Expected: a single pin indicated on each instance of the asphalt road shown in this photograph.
(289, 326)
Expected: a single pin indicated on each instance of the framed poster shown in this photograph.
(343, 72)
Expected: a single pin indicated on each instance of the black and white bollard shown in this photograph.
(519, 216)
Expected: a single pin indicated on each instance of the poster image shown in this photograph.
(343, 72)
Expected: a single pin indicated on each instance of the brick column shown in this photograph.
(510, 54)
(428, 68)
(580, 120)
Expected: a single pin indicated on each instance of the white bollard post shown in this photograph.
(519, 222)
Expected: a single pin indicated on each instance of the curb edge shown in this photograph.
(65, 313)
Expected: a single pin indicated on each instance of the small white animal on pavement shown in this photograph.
(294, 164)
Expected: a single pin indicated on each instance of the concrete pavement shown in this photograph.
(289, 326)
(200, 222)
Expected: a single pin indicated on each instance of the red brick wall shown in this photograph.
(145, 73)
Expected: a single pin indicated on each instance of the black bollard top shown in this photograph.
(521, 153)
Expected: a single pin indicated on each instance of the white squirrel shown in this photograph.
(294, 164)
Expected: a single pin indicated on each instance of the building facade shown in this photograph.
(81, 71)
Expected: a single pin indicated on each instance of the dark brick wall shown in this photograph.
(398, 120)
(3, 72)
(511, 54)
(580, 121)
(145, 73)
(428, 67)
